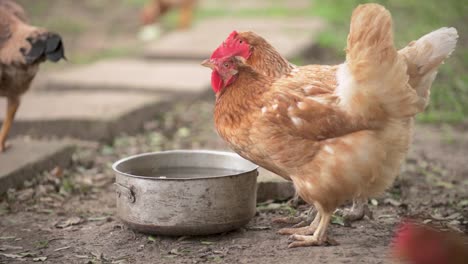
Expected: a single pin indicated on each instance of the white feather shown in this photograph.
(443, 42)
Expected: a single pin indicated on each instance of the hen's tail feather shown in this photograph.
(424, 56)
(379, 86)
(370, 40)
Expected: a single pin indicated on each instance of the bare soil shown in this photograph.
(69, 216)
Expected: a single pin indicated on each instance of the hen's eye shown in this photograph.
(226, 65)
(240, 41)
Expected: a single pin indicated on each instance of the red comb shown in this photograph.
(230, 47)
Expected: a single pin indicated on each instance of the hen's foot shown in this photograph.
(303, 220)
(309, 241)
(295, 201)
(356, 213)
(306, 230)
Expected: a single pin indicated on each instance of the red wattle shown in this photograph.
(216, 82)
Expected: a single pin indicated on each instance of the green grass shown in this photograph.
(412, 19)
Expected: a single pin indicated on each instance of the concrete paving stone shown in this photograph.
(25, 158)
(273, 187)
(85, 115)
(175, 77)
(292, 37)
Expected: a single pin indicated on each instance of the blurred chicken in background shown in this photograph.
(22, 48)
(155, 9)
(417, 243)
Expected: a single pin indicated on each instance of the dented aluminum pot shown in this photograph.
(198, 205)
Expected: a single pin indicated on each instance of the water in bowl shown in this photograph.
(183, 172)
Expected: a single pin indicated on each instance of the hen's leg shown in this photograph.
(307, 230)
(295, 201)
(357, 211)
(12, 106)
(307, 219)
(302, 220)
(298, 221)
(186, 14)
(319, 238)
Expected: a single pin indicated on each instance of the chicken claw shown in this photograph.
(320, 224)
(298, 221)
(306, 230)
(308, 241)
(358, 211)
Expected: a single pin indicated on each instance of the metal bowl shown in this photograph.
(185, 192)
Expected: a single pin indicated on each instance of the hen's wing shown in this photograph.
(291, 127)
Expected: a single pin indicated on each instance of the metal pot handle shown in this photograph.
(125, 191)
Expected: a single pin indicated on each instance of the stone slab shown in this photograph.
(174, 77)
(292, 37)
(24, 159)
(85, 115)
(273, 187)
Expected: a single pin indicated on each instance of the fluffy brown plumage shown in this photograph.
(22, 48)
(338, 132)
(422, 57)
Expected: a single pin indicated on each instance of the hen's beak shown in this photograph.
(208, 63)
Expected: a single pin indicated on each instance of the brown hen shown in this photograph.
(264, 58)
(338, 132)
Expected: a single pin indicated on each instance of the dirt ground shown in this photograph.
(69, 216)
